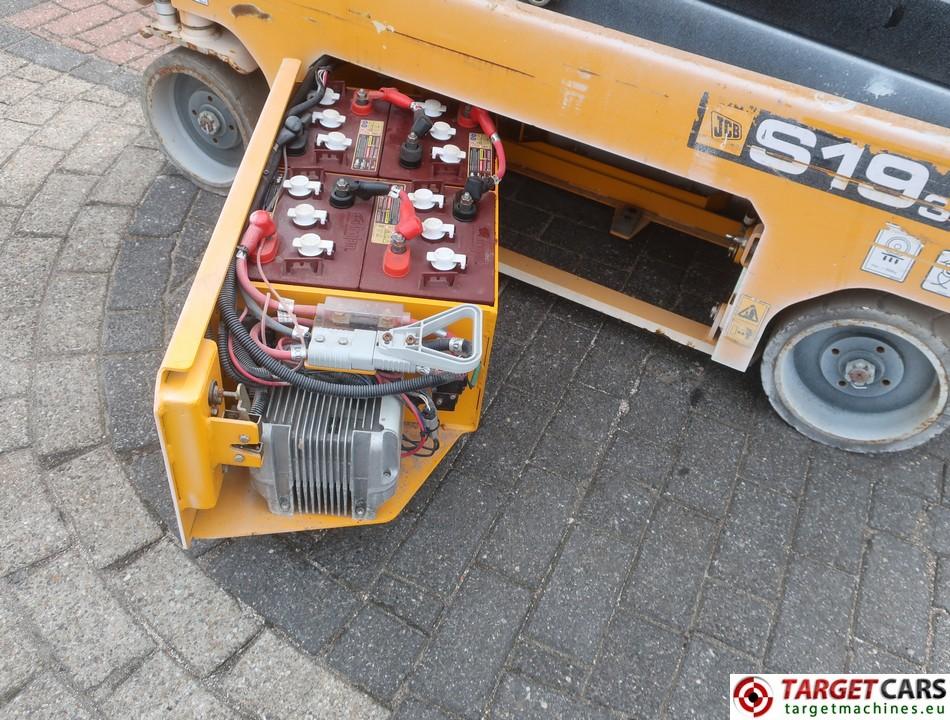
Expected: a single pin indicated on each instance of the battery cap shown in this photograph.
(306, 215)
(312, 245)
(330, 96)
(435, 229)
(433, 108)
(441, 130)
(451, 154)
(329, 118)
(335, 141)
(301, 186)
(425, 199)
(445, 259)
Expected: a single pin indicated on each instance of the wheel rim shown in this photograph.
(197, 127)
(861, 381)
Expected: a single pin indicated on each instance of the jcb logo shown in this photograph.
(724, 128)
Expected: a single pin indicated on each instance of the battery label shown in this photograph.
(369, 145)
(385, 218)
(479, 154)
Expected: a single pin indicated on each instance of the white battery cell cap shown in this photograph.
(433, 108)
(329, 118)
(312, 245)
(452, 154)
(445, 259)
(435, 229)
(330, 96)
(334, 141)
(425, 199)
(300, 186)
(307, 215)
(442, 131)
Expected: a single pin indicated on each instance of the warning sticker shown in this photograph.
(385, 218)
(892, 253)
(369, 145)
(938, 278)
(747, 320)
(480, 154)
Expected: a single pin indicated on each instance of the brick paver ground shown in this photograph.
(630, 524)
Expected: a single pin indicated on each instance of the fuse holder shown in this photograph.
(435, 229)
(329, 118)
(312, 245)
(441, 131)
(301, 186)
(334, 141)
(445, 259)
(425, 199)
(451, 154)
(307, 215)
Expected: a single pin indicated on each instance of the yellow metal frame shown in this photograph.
(613, 92)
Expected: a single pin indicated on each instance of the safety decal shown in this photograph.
(938, 277)
(369, 145)
(892, 254)
(747, 320)
(809, 156)
(385, 217)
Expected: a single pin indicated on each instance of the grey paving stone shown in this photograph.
(105, 73)
(104, 95)
(296, 685)
(520, 698)
(186, 608)
(106, 515)
(586, 583)
(521, 311)
(614, 361)
(897, 512)
(146, 472)
(42, 52)
(812, 626)
(63, 87)
(13, 135)
(447, 537)
(776, 455)
(527, 535)
(669, 572)
(129, 176)
(703, 687)
(183, 271)
(659, 409)
(459, 667)
(520, 218)
(141, 273)
(67, 128)
(940, 654)
(726, 395)
(614, 499)
(754, 540)
(549, 667)
(912, 473)
(160, 689)
(376, 652)
(16, 419)
(164, 206)
(831, 524)
(137, 330)
(71, 315)
(416, 606)
(579, 209)
(631, 458)
(25, 172)
(278, 582)
(46, 698)
(32, 111)
(93, 635)
(16, 360)
(706, 470)
(357, 555)
(23, 278)
(894, 603)
(865, 658)
(938, 522)
(21, 657)
(29, 522)
(635, 667)
(101, 146)
(10, 35)
(65, 421)
(127, 381)
(585, 414)
(557, 348)
(655, 282)
(14, 89)
(734, 618)
(94, 238)
(413, 708)
(508, 431)
(942, 592)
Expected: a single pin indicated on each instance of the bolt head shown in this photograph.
(860, 373)
(209, 122)
(244, 438)
(239, 458)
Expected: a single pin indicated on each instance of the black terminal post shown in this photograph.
(346, 190)
(297, 145)
(410, 152)
(465, 204)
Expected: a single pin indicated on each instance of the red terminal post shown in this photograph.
(260, 238)
(465, 118)
(362, 103)
(396, 259)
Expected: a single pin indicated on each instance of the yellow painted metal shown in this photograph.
(627, 96)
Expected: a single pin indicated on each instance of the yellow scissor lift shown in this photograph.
(836, 210)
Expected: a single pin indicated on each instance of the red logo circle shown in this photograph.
(753, 696)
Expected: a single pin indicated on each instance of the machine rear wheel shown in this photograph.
(202, 113)
(861, 371)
